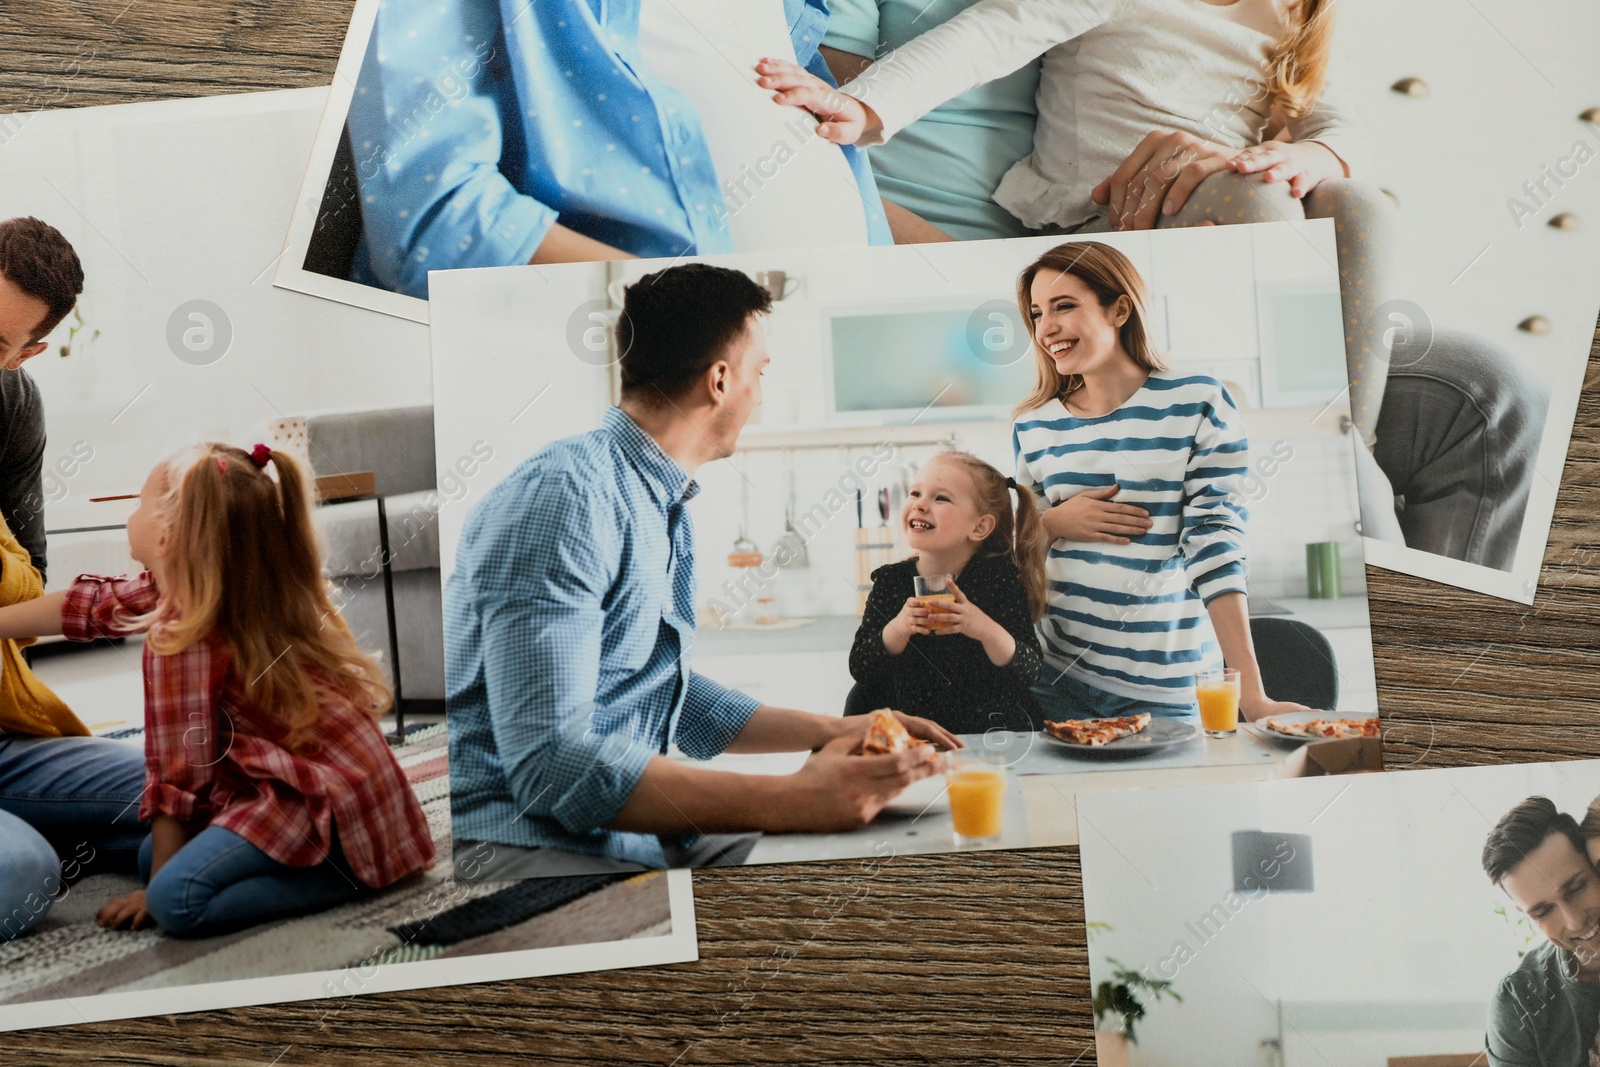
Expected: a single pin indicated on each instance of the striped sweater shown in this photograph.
(1131, 619)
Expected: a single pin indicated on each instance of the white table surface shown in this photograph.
(1041, 808)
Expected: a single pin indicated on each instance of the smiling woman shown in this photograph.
(1142, 471)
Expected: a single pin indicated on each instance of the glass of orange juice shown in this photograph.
(976, 783)
(1218, 694)
(932, 590)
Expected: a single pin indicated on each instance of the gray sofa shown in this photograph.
(397, 446)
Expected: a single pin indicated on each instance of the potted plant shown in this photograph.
(1117, 1008)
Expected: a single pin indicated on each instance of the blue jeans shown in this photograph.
(219, 882)
(1458, 435)
(80, 793)
(30, 874)
(1069, 698)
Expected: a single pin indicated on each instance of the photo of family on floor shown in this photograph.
(223, 770)
(997, 515)
(1440, 918)
(475, 134)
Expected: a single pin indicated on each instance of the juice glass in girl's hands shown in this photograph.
(932, 590)
(977, 791)
(1218, 695)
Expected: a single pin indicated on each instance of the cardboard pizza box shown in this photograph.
(1351, 755)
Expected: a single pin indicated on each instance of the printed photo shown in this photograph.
(473, 133)
(1440, 918)
(816, 554)
(224, 774)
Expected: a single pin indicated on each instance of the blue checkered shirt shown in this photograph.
(568, 626)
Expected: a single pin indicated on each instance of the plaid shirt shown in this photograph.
(568, 626)
(211, 759)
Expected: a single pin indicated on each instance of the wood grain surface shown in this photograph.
(917, 960)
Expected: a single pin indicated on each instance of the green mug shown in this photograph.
(1322, 570)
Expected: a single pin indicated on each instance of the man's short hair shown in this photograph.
(1522, 830)
(42, 263)
(677, 322)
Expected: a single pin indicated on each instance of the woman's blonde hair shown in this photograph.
(1298, 67)
(1018, 534)
(243, 567)
(1109, 275)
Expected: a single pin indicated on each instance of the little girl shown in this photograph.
(1140, 102)
(269, 785)
(968, 667)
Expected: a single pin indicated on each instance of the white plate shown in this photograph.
(1160, 735)
(1269, 734)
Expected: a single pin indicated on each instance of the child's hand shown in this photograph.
(971, 621)
(843, 118)
(913, 619)
(962, 616)
(125, 911)
(1304, 164)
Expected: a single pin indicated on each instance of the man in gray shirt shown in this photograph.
(1546, 1012)
(40, 279)
(66, 800)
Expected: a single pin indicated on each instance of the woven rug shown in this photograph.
(429, 917)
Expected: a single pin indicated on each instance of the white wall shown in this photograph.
(172, 202)
(1395, 952)
(1504, 102)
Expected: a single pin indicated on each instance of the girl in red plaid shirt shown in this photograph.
(269, 786)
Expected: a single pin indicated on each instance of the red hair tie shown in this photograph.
(260, 454)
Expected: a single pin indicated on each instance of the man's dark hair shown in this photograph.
(1523, 829)
(678, 322)
(43, 264)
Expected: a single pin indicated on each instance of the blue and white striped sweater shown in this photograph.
(1131, 619)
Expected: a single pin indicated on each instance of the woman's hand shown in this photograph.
(913, 619)
(971, 621)
(1091, 516)
(1158, 177)
(843, 118)
(1304, 164)
(1258, 705)
(124, 911)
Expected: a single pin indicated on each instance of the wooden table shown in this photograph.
(940, 959)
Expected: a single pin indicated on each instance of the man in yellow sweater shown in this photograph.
(67, 800)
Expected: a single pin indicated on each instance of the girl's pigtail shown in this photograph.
(1028, 550)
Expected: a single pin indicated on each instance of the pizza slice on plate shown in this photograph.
(1097, 732)
(1324, 728)
(885, 735)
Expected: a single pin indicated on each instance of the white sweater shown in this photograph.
(1114, 70)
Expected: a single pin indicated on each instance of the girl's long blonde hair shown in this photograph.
(1298, 67)
(1018, 534)
(243, 566)
(1109, 275)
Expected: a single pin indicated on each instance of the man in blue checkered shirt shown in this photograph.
(569, 621)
